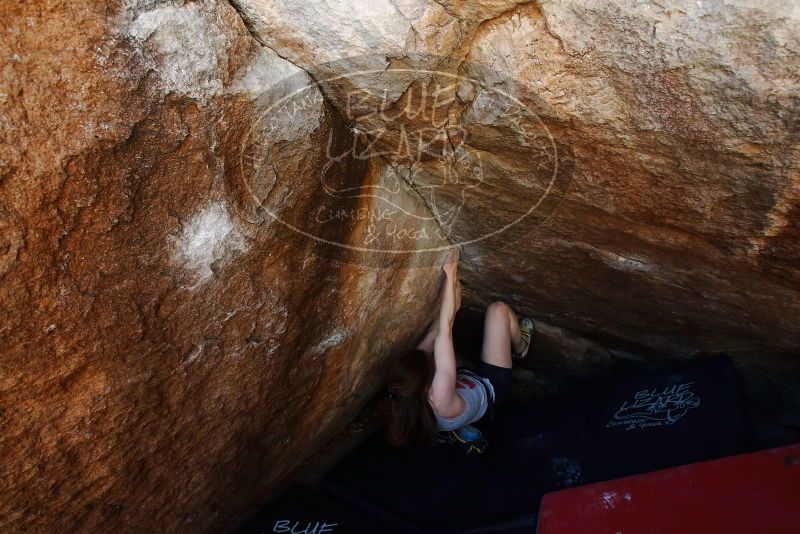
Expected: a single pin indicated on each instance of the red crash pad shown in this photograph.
(753, 493)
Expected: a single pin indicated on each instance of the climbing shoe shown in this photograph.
(526, 333)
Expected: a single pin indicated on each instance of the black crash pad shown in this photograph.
(533, 449)
(597, 433)
(680, 414)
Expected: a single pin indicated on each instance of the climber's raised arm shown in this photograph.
(444, 380)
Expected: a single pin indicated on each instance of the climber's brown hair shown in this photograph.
(411, 418)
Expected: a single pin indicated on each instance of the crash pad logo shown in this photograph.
(369, 156)
(656, 407)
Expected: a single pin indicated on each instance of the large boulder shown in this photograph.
(217, 221)
(170, 347)
(657, 144)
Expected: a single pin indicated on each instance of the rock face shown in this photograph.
(678, 230)
(672, 149)
(217, 220)
(170, 352)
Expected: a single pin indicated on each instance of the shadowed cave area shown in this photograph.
(224, 223)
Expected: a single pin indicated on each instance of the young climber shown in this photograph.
(429, 393)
